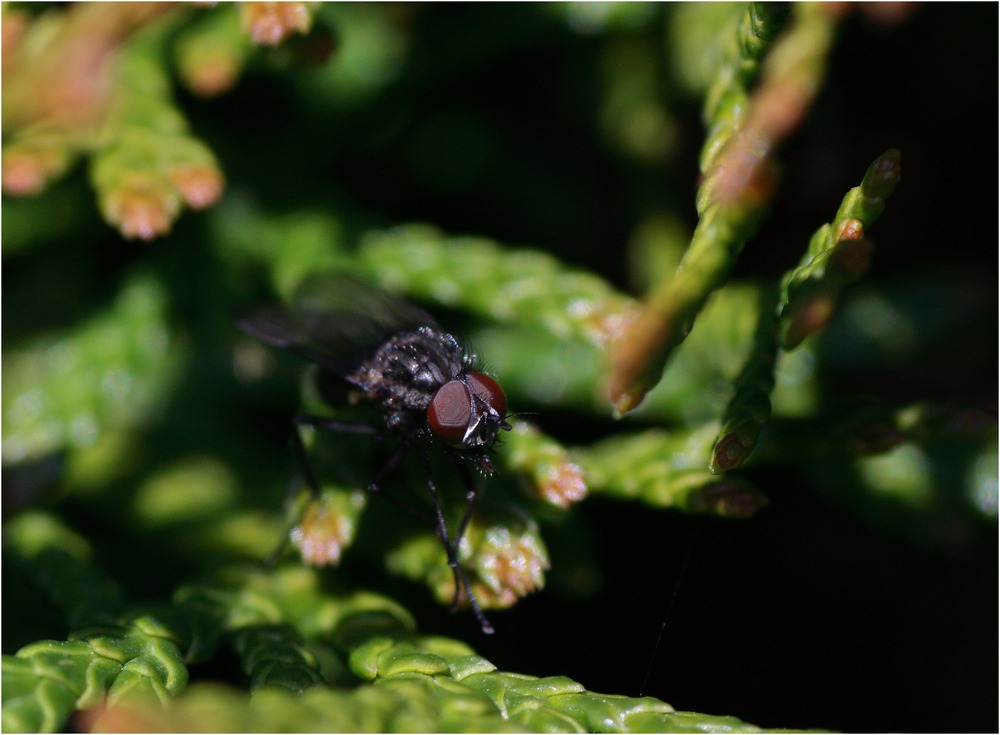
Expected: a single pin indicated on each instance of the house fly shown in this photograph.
(419, 376)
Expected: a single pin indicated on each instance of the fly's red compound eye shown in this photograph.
(450, 412)
(453, 415)
(490, 391)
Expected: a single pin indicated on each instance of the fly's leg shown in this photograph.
(349, 427)
(325, 424)
(375, 486)
(470, 500)
(461, 578)
(299, 448)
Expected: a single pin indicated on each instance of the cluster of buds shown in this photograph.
(80, 80)
(141, 193)
(328, 526)
(552, 475)
(501, 550)
(506, 556)
(270, 23)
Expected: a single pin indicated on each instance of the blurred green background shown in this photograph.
(568, 129)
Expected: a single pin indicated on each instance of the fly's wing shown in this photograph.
(335, 321)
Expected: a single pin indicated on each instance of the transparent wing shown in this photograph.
(335, 321)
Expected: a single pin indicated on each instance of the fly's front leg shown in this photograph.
(471, 493)
(451, 549)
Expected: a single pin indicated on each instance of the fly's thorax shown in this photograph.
(412, 366)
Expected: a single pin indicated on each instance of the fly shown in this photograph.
(424, 382)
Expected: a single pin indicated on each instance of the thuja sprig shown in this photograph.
(667, 470)
(727, 100)
(56, 85)
(140, 656)
(418, 684)
(876, 428)
(738, 185)
(105, 377)
(46, 681)
(212, 51)
(38, 155)
(553, 476)
(275, 622)
(148, 165)
(106, 94)
(640, 355)
(57, 63)
(523, 286)
(750, 406)
(839, 253)
(276, 655)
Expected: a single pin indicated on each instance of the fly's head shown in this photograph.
(467, 413)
